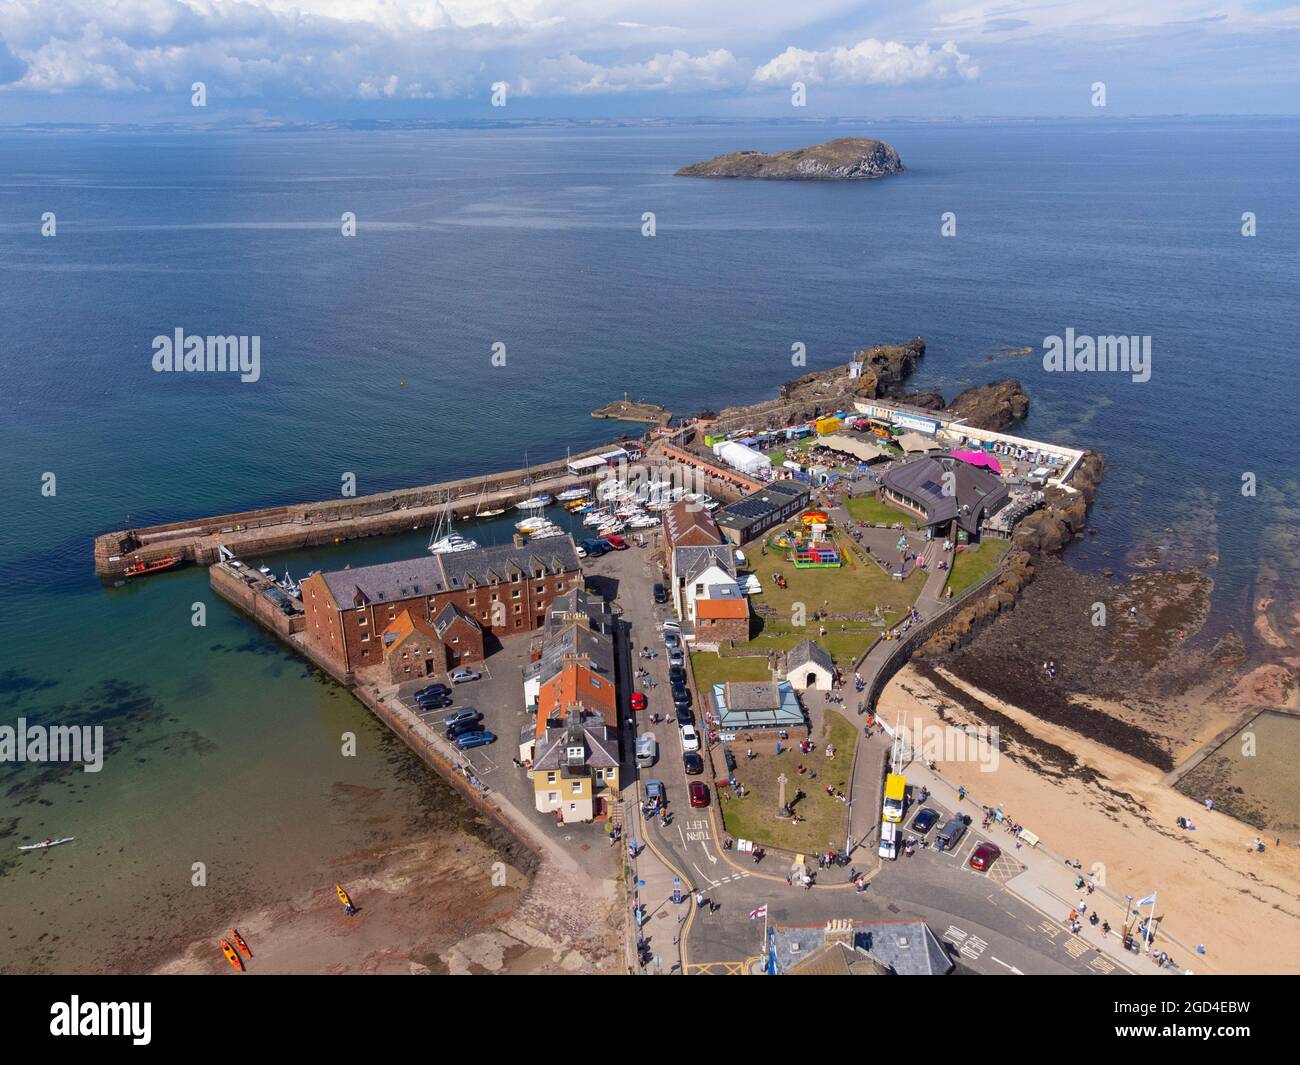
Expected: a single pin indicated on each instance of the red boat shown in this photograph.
(139, 567)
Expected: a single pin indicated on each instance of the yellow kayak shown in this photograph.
(343, 895)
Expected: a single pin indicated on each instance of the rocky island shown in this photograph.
(843, 159)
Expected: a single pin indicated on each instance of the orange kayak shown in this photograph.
(239, 942)
(343, 896)
(231, 956)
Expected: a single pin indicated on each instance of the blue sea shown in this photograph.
(376, 361)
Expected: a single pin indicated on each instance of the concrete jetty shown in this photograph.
(256, 532)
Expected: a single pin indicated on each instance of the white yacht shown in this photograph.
(444, 540)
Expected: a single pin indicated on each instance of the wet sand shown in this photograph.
(1090, 801)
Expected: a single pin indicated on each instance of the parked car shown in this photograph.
(951, 833)
(673, 626)
(580, 551)
(432, 689)
(693, 764)
(638, 700)
(661, 593)
(699, 792)
(672, 641)
(615, 541)
(434, 702)
(461, 716)
(460, 676)
(983, 857)
(677, 674)
(676, 658)
(595, 548)
(647, 750)
(888, 840)
(475, 739)
(681, 695)
(463, 728)
(684, 715)
(654, 791)
(690, 738)
(924, 820)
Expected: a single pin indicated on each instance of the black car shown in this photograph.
(684, 716)
(693, 764)
(460, 728)
(434, 702)
(661, 593)
(681, 697)
(924, 820)
(677, 675)
(432, 689)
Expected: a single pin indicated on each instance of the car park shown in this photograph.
(461, 716)
(692, 763)
(690, 738)
(463, 674)
(983, 857)
(638, 700)
(474, 739)
(699, 792)
(661, 593)
(924, 820)
(463, 728)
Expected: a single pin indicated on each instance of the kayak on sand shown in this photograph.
(47, 843)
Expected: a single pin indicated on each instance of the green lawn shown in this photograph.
(975, 563)
(871, 509)
(710, 669)
(757, 816)
(852, 589)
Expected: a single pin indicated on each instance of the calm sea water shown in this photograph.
(376, 362)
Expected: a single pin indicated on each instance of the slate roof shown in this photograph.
(434, 574)
(690, 525)
(977, 492)
(754, 705)
(690, 562)
(552, 748)
(448, 614)
(803, 653)
(904, 948)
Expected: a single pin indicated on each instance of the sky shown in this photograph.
(137, 61)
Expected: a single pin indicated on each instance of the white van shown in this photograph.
(647, 750)
(888, 840)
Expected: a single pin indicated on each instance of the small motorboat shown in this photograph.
(533, 502)
(46, 843)
(571, 494)
(231, 956)
(139, 568)
(240, 943)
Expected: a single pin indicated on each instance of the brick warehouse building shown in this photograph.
(504, 589)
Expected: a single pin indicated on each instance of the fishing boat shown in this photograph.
(450, 541)
(240, 943)
(47, 843)
(138, 567)
(231, 956)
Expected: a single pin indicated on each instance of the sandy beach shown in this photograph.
(1098, 805)
(432, 905)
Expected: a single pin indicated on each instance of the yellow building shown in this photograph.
(575, 768)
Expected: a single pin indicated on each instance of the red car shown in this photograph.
(615, 541)
(699, 792)
(638, 700)
(983, 857)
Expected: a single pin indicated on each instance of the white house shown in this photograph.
(809, 665)
(697, 569)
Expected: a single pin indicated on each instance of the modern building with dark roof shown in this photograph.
(940, 490)
(755, 705)
(748, 518)
(505, 590)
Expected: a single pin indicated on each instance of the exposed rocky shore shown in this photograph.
(843, 159)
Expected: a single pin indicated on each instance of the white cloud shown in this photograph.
(677, 71)
(869, 62)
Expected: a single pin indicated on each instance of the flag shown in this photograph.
(1150, 900)
(754, 915)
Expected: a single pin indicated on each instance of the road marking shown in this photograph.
(1013, 969)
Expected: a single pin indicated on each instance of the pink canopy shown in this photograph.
(978, 458)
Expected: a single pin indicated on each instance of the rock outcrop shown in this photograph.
(844, 159)
(995, 406)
